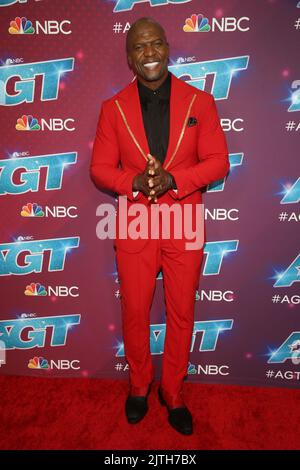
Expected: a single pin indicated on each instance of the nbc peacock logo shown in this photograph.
(38, 363)
(27, 123)
(35, 289)
(21, 26)
(196, 24)
(32, 210)
(191, 369)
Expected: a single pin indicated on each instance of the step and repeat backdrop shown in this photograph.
(60, 300)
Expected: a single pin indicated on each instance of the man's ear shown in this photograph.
(129, 60)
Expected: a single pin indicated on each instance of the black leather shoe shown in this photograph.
(179, 418)
(136, 407)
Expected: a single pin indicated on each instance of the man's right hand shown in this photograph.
(141, 181)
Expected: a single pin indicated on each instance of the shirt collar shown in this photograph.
(163, 92)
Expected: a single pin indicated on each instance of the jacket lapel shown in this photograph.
(128, 104)
(179, 107)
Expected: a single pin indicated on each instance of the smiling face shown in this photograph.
(148, 53)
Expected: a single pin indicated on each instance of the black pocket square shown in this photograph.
(192, 122)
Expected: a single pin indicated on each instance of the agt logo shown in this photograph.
(290, 349)
(215, 253)
(21, 175)
(223, 71)
(34, 210)
(235, 159)
(32, 253)
(211, 330)
(290, 275)
(40, 363)
(51, 72)
(29, 123)
(28, 333)
(295, 97)
(35, 289)
(125, 5)
(24, 26)
(200, 24)
(4, 3)
(291, 193)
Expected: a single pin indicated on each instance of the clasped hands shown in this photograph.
(154, 181)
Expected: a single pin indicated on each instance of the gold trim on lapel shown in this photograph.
(130, 131)
(182, 132)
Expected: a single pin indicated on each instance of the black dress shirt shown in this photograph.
(155, 106)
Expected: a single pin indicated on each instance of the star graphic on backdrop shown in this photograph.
(295, 346)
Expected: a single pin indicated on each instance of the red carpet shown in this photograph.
(41, 413)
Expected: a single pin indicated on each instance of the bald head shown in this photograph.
(140, 25)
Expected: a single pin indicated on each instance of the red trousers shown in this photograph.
(137, 275)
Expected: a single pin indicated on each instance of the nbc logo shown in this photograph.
(200, 24)
(21, 26)
(38, 363)
(32, 210)
(196, 23)
(61, 364)
(183, 60)
(191, 369)
(27, 123)
(35, 288)
(30, 123)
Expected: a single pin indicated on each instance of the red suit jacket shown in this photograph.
(197, 155)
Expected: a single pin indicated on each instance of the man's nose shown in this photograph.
(149, 51)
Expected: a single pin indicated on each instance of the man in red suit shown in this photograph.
(158, 142)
